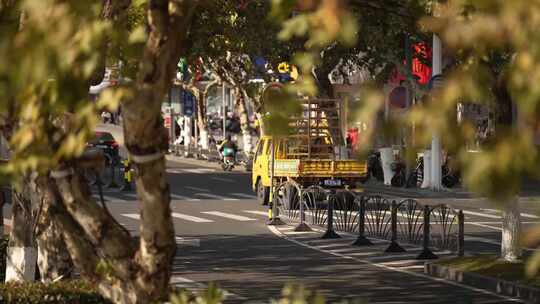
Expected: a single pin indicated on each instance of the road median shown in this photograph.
(489, 273)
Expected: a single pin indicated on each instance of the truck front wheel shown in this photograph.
(263, 193)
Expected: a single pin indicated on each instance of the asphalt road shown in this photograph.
(222, 237)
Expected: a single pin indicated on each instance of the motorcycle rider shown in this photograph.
(228, 143)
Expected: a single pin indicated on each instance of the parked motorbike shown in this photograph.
(228, 160)
(450, 175)
(374, 166)
(400, 178)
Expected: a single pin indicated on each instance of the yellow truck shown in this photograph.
(309, 155)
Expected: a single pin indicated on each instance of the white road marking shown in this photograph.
(243, 195)
(178, 279)
(216, 197)
(197, 287)
(199, 170)
(229, 216)
(263, 213)
(134, 216)
(410, 267)
(179, 197)
(196, 188)
(220, 179)
(485, 226)
(401, 262)
(188, 242)
(527, 215)
(193, 199)
(276, 231)
(172, 170)
(481, 214)
(297, 232)
(190, 218)
(530, 215)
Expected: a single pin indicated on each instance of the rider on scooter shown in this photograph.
(228, 145)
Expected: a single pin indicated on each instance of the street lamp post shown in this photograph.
(436, 141)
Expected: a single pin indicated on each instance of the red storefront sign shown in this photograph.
(421, 71)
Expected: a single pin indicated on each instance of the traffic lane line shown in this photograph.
(276, 231)
(188, 241)
(523, 214)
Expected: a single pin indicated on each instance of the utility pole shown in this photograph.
(409, 142)
(224, 105)
(435, 140)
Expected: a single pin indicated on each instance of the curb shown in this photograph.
(529, 294)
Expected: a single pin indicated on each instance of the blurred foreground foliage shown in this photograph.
(63, 292)
(49, 56)
(491, 52)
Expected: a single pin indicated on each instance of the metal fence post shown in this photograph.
(461, 234)
(302, 227)
(274, 211)
(394, 246)
(330, 233)
(362, 240)
(426, 253)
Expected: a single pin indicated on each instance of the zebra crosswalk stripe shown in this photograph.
(243, 195)
(229, 216)
(209, 196)
(134, 216)
(190, 218)
(257, 212)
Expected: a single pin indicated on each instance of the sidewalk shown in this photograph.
(531, 191)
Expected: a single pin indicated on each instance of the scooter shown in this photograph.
(374, 166)
(228, 160)
(400, 179)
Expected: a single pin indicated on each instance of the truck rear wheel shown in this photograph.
(263, 193)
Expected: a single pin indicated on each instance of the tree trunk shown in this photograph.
(202, 122)
(511, 231)
(244, 120)
(146, 143)
(22, 251)
(54, 261)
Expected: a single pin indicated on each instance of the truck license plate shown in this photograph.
(332, 182)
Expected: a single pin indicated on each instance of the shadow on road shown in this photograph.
(257, 267)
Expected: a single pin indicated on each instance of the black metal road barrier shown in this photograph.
(330, 233)
(362, 240)
(394, 246)
(302, 227)
(407, 221)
